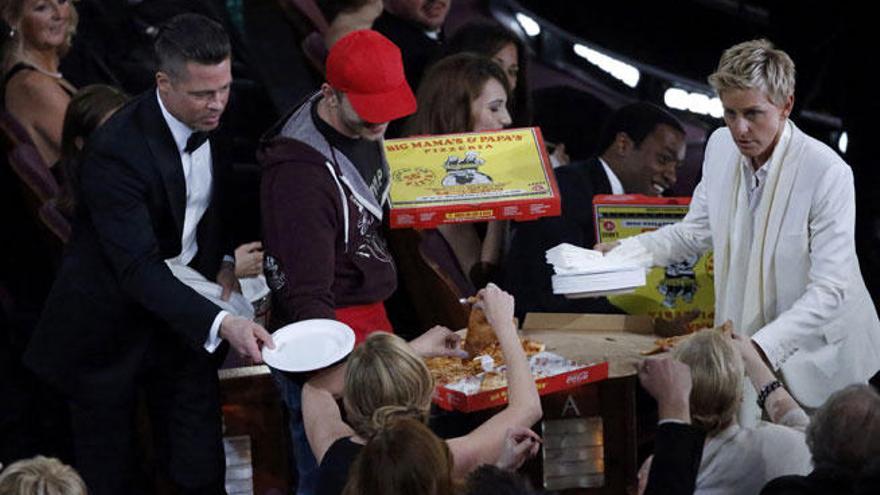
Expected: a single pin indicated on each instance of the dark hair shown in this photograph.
(447, 91)
(332, 8)
(487, 40)
(190, 38)
(490, 479)
(88, 108)
(402, 458)
(636, 120)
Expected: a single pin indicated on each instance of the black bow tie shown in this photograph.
(195, 141)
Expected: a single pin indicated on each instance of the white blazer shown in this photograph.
(822, 330)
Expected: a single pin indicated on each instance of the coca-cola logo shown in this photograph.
(577, 377)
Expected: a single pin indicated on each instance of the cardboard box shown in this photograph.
(449, 399)
(586, 338)
(592, 432)
(470, 177)
(670, 292)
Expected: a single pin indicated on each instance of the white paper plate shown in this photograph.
(309, 345)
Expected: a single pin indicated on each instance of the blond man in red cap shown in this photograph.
(324, 189)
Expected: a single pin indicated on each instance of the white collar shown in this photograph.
(434, 35)
(616, 185)
(179, 130)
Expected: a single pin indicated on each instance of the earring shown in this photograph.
(12, 32)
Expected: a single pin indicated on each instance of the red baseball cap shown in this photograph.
(368, 68)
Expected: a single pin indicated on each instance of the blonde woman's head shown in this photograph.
(41, 476)
(38, 25)
(756, 64)
(717, 372)
(385, 378)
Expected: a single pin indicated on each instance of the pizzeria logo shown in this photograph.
(415, 177)
(462, 171)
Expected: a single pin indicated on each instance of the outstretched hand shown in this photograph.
(439, 341)
(669, 381)
(497, 305)
(520, 445)
(246, 337)
(606, 247)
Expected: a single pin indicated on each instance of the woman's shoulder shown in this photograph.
(29, 87)
(342, 448)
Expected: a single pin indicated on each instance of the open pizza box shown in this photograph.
(619, 340)
(595, 347)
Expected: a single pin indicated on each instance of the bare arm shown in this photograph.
(485, 444)
(39, 103)
(321, 415)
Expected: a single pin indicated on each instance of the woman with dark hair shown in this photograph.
(34, 92)
(404, 457)
(465, 92)
(507, 50)
(88, 109)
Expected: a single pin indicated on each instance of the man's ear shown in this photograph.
(329, 95)
(623, 144)
(788, 106)
(163, 81)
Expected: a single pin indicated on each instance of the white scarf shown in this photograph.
(744, 271)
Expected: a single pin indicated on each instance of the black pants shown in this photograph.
(180, 386)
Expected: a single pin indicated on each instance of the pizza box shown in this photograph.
(449, 399)
(470, 177)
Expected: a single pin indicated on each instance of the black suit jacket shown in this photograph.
(114, 295)
(828, 479)
(678, 450)
(527, 274)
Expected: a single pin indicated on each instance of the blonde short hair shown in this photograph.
(756, 64)
(41, 476)
(717, 372)
(384, 378)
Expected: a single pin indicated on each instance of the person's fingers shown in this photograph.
(263, 336)
(452, 341)
(253, 350)
(253, 246)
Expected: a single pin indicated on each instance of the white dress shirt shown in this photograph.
(197, 175)
(755, 181)
(616, 185)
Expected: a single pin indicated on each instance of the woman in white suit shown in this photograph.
(777, 207)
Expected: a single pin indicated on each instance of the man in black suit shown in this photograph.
(643, 146)
(117, 322)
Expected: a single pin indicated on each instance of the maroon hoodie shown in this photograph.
(323, 244)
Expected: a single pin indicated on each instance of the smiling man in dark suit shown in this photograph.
(117, 321)
(642, 146)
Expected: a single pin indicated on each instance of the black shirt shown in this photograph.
(334, 468)
(366, 155)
